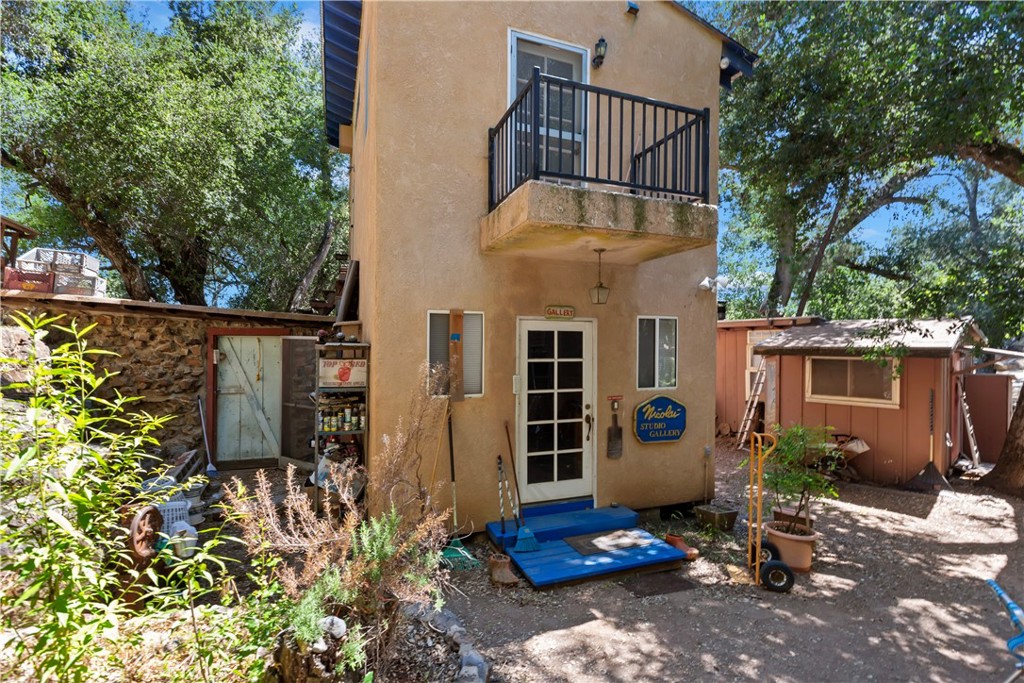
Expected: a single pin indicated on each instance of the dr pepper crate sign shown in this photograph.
(659, 419)
(343, 372)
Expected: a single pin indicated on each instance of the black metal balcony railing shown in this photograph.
(564, 130)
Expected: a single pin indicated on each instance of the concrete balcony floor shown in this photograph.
(566, 223)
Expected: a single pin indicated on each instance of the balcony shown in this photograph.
(573, 167)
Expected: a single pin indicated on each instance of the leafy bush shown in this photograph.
(72, 463)
(796, 471)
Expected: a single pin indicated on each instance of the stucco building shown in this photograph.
(500, 151)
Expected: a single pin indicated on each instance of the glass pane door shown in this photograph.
(555, 418)
(562, 115)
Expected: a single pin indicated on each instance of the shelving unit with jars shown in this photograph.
(341, 414)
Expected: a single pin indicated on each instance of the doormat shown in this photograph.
(607, 541)
(657, 583)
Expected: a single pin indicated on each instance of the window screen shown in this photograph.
(656, 353)
(472, 348)
(852, 379)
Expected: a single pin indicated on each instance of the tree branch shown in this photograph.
(999, 156)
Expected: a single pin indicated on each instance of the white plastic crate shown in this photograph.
(27, 266)
(174, 511)
(64, 261)
(82, 285)
(164, 483)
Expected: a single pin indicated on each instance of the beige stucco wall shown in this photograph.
(438, 79)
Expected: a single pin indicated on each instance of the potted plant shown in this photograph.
(721, 517)
(796, 474)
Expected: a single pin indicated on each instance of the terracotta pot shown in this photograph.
(796, 549)
(788, 514)
(500, 569)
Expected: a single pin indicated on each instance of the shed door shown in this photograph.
(248, 399)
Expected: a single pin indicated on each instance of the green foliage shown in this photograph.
(852, 103)
(796, 470)
(71, 463)
(174, 154)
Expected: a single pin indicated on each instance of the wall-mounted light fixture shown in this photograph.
(724, 63)
(599, 293)
(711, 284)
(600, 50)
(632, 8)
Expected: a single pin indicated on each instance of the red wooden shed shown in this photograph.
(816, 375)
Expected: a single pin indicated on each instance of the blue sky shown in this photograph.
(158, 14)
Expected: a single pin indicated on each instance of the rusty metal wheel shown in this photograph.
(144, 532)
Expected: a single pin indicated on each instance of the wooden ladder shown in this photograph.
(755, 394)
(971, 438)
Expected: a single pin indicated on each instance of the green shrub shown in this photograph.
(72, 462)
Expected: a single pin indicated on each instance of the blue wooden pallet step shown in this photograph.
(553, 527)
(557, 562)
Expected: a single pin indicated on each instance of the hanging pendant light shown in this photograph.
(599, 293)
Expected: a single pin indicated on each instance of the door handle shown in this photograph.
(590, 424)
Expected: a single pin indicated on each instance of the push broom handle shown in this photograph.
(518, 509)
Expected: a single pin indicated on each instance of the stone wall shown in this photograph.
(162, 358)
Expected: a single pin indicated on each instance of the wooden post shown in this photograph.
(455, 390)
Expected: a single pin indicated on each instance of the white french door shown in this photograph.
(555, 429)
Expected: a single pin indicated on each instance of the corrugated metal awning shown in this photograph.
(339, 30)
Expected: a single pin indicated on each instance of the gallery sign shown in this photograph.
(659, 419)
(556, 312)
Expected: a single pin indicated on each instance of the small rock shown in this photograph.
(335, 627)
(319, 647)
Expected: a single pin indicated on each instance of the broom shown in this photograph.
(455, 555)
(526, 542)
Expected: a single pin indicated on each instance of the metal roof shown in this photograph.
(339, 31)
(929, 338)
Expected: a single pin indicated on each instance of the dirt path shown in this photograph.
(897, 594)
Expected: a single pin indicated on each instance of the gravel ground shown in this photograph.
(897, 594)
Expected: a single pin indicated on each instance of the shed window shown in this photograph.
(656, 353)
(472, 348)
(853, 381)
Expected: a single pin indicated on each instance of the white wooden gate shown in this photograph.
(248, 398)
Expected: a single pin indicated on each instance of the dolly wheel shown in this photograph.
(777, 576)
(144, 532)
(768, 552)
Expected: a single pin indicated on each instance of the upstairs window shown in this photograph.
(656, 353)
(852, 381)
(438, 337)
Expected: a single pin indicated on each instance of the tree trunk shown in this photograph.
(185, 265)
(301, 294)
(998, 156)
(782, 281)
(1008, 474)
(819, 256)
(108, 240)
(112, 246)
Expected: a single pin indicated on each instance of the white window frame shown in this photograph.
(892, 403)
(483, 345)
(657, 330)
(575, 138)
(754, 337)
(515, 35)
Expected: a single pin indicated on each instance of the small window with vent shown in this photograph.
(438, 337)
